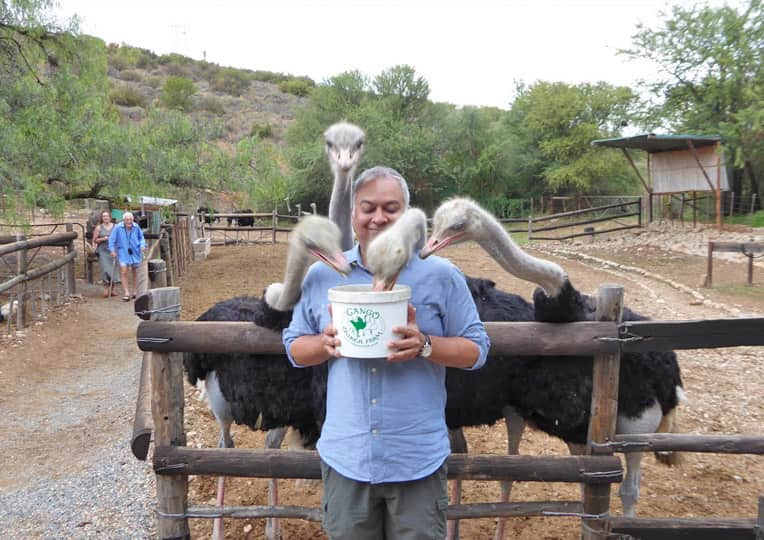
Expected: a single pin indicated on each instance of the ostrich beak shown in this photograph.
(337, 262)
(436, 244)
(384, 284)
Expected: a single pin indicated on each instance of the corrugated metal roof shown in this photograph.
(650, 142)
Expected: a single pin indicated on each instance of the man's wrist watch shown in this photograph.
(426, 349)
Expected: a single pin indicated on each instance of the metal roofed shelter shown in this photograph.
(677, 164)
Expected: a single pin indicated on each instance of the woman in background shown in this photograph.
(109, 274)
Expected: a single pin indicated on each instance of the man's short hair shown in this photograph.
(380, 172)
(126, 214)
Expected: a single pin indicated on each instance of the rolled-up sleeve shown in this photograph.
(462, 319)
(303, 322)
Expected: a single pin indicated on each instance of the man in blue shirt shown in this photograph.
(126, 243)
(384, 442)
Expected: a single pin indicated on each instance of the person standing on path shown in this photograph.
(384, 443)
(126, 243)
(101, 235)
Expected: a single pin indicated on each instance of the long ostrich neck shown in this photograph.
(297, 265)
(415, 229)
(339, 207)
(497, 241)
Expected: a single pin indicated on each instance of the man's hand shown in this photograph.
(329, 337)
(412, 340)
(113, 254)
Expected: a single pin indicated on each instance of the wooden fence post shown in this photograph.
(70, 281)
(604, 413)
(21, 297)
(710, 264)
(157, 273)
(275, 224)
(165, 248)
(167, 411)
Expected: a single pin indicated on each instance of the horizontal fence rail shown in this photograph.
(519, 338)
(516, 338)
(255, 463)
(675, 442)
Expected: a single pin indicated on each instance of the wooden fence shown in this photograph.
(589, 216)
(163, 338)
(273, 227)
(24, 302)
(752, 250)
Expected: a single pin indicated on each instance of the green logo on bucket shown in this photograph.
(363, 326)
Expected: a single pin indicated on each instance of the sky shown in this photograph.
(471, 52)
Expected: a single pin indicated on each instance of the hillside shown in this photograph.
(245, 102)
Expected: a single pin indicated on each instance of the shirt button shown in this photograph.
(373, 370)
(375, 431)
(373, 401)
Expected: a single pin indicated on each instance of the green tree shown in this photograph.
(31, 37)
(555, 124)
(712, 81)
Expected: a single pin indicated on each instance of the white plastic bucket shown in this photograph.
(365, 319)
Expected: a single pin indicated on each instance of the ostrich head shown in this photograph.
(313, 237)
(461, 219)
(456, 220)
(344, 145)
(389, 252)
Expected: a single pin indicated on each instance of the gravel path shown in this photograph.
(67, 424)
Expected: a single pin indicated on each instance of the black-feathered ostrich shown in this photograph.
(554, 394)
(265, 392)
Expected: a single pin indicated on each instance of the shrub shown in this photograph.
(131, 75)
(154, 82)
(127, 96)
(211, 104)
(177, 92)
(269, 76)
(231, 81)
(178, 70)
(298, 87)
(261, 132)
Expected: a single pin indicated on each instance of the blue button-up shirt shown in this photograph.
(385, 421)
(120, 240)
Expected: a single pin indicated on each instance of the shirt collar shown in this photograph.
(354, 256)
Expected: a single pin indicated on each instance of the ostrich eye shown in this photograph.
(458, 226)
(359, 145)
(310, 244)
(329, 145)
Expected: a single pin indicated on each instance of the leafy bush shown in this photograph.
(211, 104)
(131, 75)
(178, 70)
(123, 57)
(231, 81)
(175, 58)
(269, 76)
(297, 86)
(261, 132)
(177, 92)
(154, 82)
(127, 96)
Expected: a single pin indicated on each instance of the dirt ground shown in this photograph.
(725, 386)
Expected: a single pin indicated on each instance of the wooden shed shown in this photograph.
(677, 164)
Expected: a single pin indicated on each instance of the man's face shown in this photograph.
(378, 203)
(128, 221)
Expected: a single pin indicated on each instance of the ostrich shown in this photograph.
(265, 392)
(344, 145)
(555, 394)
